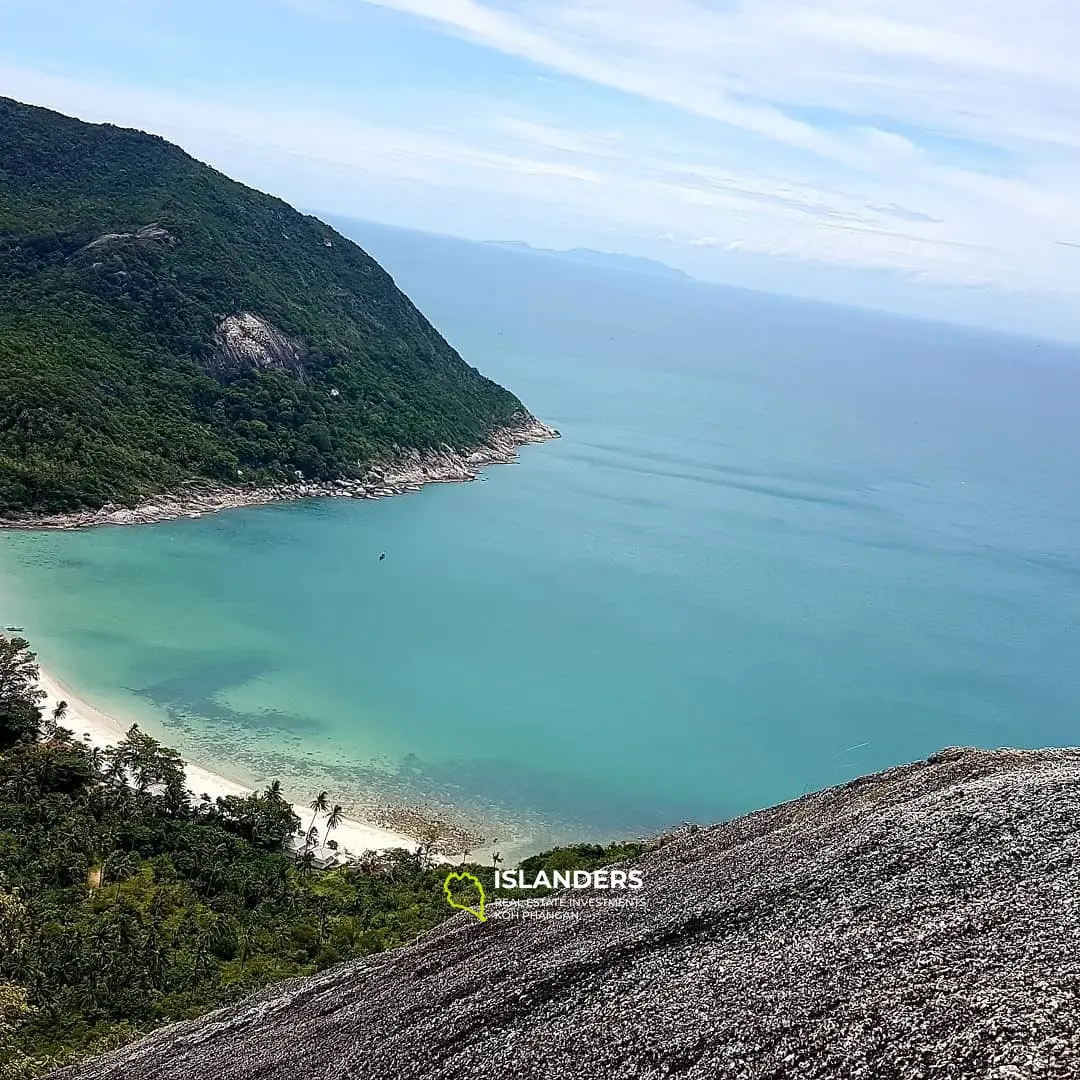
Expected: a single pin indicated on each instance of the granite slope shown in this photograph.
(916, 923)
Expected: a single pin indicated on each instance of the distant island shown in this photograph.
(174, 342)
(634, 264)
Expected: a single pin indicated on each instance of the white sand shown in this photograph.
(95, 727)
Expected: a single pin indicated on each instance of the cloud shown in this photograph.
(938, 142)
(962, 120)
(904, 214)
(758, 64)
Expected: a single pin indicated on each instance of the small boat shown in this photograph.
(15, 629)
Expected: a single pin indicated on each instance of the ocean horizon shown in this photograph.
(781, 544)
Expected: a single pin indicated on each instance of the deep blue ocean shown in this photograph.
(780, 544)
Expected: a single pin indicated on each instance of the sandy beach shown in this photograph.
(90, 724)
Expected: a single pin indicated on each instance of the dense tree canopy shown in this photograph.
(120, 256)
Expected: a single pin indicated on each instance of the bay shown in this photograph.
(780, 544)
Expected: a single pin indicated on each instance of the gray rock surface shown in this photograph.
(918, 923)
(153, 233)
(247, 342)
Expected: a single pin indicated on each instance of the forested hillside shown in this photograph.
(126, 903)
(160, 322)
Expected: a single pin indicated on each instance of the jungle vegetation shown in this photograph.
(120, 257)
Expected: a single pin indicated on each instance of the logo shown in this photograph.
(465, 878)
(570, 879)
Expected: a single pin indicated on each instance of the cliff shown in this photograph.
(917, 923)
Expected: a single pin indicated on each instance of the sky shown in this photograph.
(913, 155)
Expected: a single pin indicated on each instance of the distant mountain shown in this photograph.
(161, 323)
(631, 263)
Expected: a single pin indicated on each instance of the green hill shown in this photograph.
(160, 322)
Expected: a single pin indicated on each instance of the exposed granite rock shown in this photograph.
(247, 342)
(408, 470)
(152, 233)
(919, 923)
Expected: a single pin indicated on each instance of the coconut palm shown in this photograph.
(333, 820)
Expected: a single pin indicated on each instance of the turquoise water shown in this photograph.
(779, 545)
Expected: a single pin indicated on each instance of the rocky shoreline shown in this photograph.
(409, 470)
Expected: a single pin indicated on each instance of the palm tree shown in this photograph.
(319, 805)
(496, 858)
(274, 791)
(333, 820)
(50, 727)
(95, 759)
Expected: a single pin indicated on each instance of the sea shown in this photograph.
(780, 544)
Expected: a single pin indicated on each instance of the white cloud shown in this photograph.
(936, 141)
(965, 116)
(919, 62)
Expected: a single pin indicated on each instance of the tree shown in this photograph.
(20, 695)
(56, 719)
(333, 820)
(15, 1010)
(154, 769)
(321, 803)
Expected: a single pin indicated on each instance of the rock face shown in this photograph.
(923, 922)
(248, 342)
(152, 233)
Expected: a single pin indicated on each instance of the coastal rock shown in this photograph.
(917, 923)
(407, 470)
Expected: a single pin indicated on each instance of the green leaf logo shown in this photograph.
(473, 880)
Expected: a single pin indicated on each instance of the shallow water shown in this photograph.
(779, 545)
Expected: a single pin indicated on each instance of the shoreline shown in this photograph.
(409, 471)
(91, 725)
